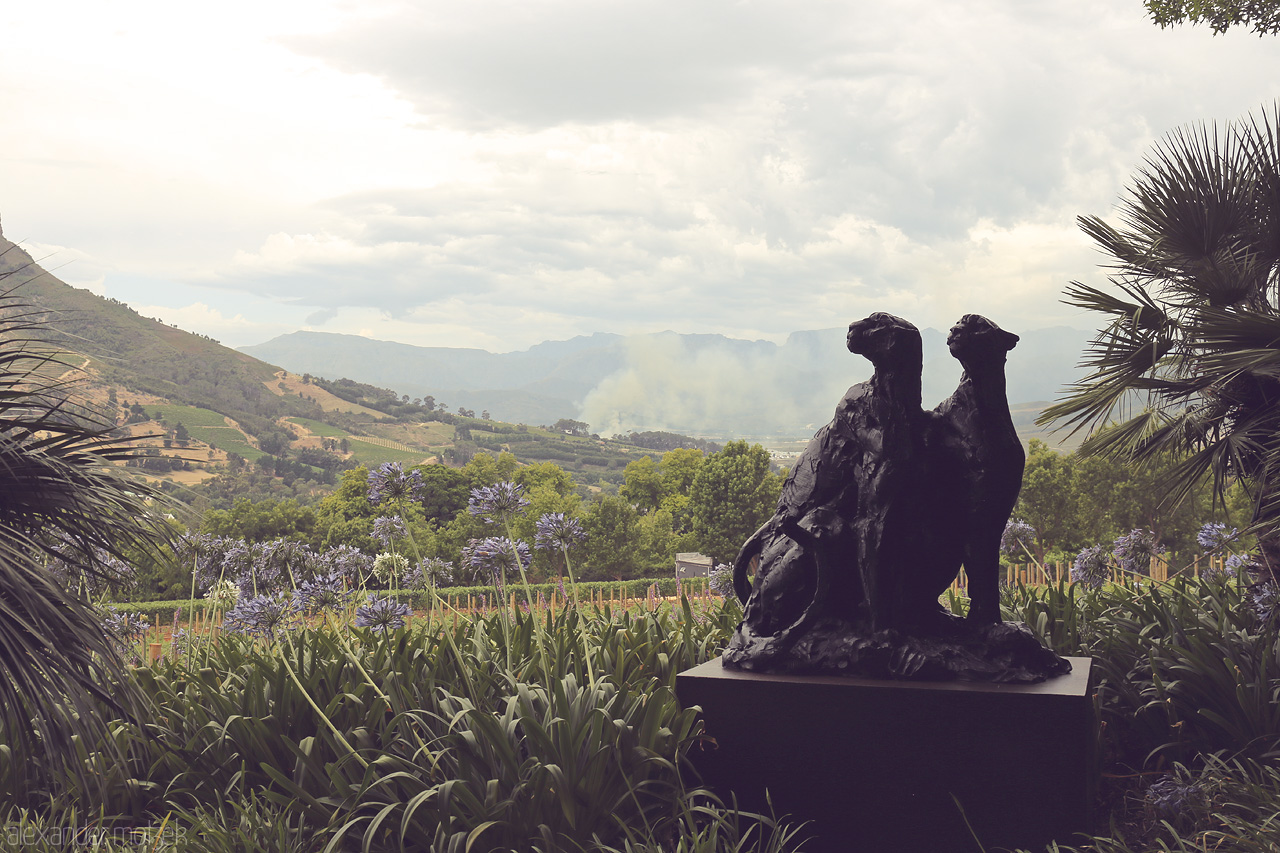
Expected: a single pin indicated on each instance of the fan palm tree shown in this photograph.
(62, 495)
(1186, 365)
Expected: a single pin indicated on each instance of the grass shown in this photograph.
(320, 428)
(207, 426)
(372, 454)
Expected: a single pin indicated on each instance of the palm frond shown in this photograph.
(61, 492)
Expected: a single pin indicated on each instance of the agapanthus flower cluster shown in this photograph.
(1171, 799)
(262, 615)
(126, 628)
(387, 567)
(497, 503)
(1265, 598)
(496, 554)
(1214, 537)
(388, 529)
(430, 573)
(322, 593)
(382, 614)
(557, 531)
(1091, 567)
(389, 482)
(284, 558)
(1134, 551)
(223, 594)
(720, 579)
(1234, 566)
(210, 554)
(93, 574)
(351, 563)
(1015, 542)
(182, 642)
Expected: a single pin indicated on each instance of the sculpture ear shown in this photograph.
(1011, 340)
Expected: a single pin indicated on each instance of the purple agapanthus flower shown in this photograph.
(93, 573)
(1090, 567)
(720, 579)
(126, 628)
(351, 563)
(181, 642)
(497, 503)
(388, 529)
(1266, 602)
(1215, 537)
(1017, 538)
(323, 592)
(382, 614)
(1134, 551)
(1233, 566)
(498, 553)
(430, 573)
(556, 532)
(284, 558)
(1171, 798)
(262, 615)
(389, 481)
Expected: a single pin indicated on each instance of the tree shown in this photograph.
(445, 492)
(643, 486)
(261, 521)
(1188, 359)
(62, 496)
(1262, 15)
(569, 426)
(733, 493)
(613, 531)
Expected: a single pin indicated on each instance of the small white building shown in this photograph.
(691, 564)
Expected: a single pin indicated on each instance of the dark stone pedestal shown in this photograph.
(877, 766)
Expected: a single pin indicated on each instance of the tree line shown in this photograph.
(682, 500)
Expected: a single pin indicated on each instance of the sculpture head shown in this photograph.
(976, 338)
(887, 341)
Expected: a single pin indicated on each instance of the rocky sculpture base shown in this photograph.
(1002, 653)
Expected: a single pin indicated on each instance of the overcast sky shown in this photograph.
(494, 174)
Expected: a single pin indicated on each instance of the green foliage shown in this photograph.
(1075, 501)
(1186, 358)
(264, 520)
(62, 495)
(643, 487)
(733, 493)
(1262, 16)
(494, 735)
(1186, 668)
(612, 525)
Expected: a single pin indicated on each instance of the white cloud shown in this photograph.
(497, 173)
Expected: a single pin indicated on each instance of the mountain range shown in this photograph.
(709, 385)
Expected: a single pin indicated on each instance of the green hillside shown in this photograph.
(205, 413)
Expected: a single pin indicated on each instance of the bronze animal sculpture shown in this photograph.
(874, 522)
(973, 447)
(832, 544)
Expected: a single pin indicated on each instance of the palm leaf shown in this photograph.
(60, 492)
